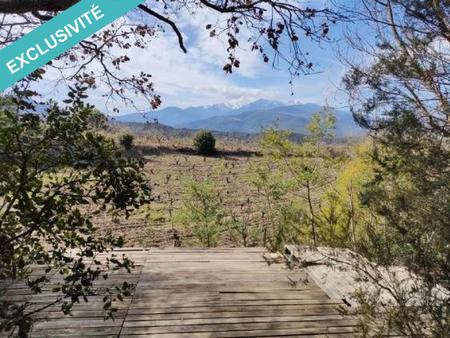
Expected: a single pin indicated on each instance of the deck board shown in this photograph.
(201, 293)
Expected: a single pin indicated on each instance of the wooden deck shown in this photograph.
(202, 293)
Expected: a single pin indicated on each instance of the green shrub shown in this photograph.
(126, 141)
(201, 211)
(205, 142)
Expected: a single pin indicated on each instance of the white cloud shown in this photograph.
(197, 78)
(186, 79)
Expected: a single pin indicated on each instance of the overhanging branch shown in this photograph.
(167, 21)
(36, 6)
(25, 6)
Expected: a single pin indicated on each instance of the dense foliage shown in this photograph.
(126, 141)
(205, 142)
(402, 97)
(53, 168)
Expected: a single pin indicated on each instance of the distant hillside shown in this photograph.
(251, 118)
(294, 118)
(250, 122)
(176, 117)
(152, 127)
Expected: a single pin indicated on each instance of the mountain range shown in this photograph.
(249, 118)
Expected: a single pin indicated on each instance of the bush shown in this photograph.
(205, 142)
(201, 211)
(126, 141)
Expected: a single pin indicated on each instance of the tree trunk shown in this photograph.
(311, 212)
(352, 212)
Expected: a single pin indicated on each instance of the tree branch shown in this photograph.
(167, 21)
(25, 6)
(231, 9)
(42, 17)
(34, 6)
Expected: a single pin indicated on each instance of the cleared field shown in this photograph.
(168, 162)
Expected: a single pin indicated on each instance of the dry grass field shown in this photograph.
(169, 161)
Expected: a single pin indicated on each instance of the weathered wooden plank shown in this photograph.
(224, 286)
(330, 332)
(78, 332)
(207, 296)
(321, 320)
(224, 292)
(202, 260)
(147, 303)
(195, 313)
(215, 307)
(306, 318)
(242, 278)
(90, 306)
(136, 316)
(255, 266)
(77, 323)
(269, 330)
(335, 332)
(193, 286)
(154, 251)
(86, 314)
(51, 297)
(317, 326)
(212, 295)
(244, 256)
(261, 308)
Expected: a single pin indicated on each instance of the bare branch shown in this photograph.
(26, 6)
(167, 21)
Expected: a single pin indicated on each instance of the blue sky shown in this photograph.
(197, 78)
(253, 80)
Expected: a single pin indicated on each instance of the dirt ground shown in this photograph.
(168, 162)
